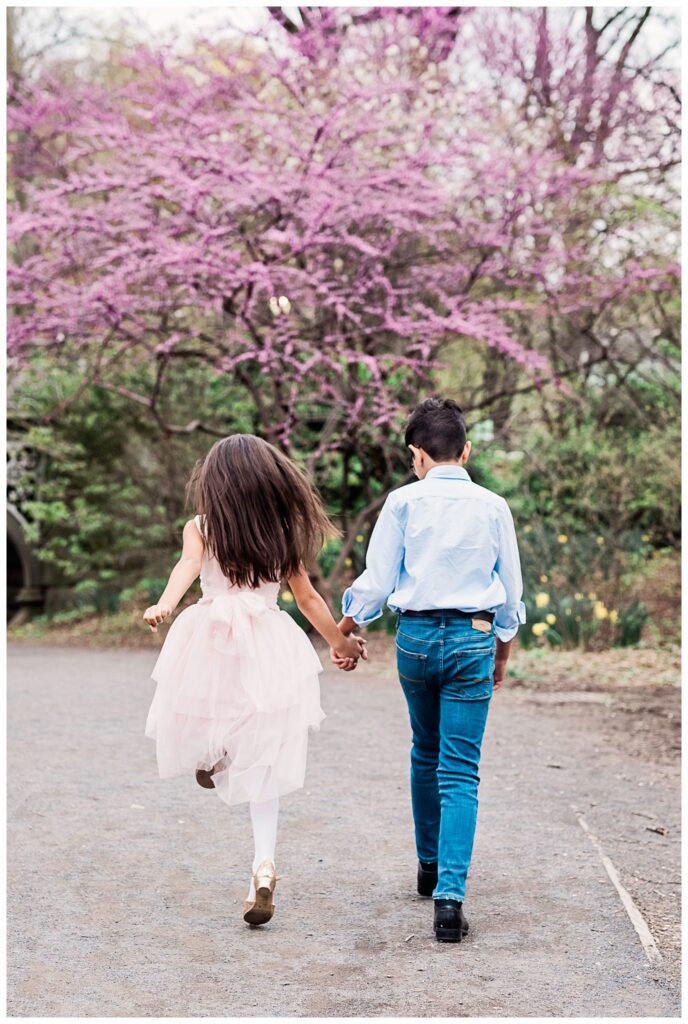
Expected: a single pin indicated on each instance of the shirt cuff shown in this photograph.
(356, 609)
(506, 633)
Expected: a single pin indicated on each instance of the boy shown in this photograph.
(443, 555)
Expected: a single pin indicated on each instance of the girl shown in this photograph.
(237, 679)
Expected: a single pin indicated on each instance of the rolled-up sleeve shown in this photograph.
(364, 600)
(512, 613)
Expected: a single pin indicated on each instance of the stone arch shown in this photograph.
(25, 584)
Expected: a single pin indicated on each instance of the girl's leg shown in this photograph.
(264, 821)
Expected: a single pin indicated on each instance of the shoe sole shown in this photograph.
(204, 778)
(451, 934)
(262, 908)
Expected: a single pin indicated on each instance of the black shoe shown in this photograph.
(450, 924)
(427, 878)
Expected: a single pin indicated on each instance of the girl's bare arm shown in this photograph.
(319, 615)
(182, 576)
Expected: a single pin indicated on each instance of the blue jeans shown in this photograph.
(446, 670)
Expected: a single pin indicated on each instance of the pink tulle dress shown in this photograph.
(237, 683)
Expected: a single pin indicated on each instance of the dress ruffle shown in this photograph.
(237, 683)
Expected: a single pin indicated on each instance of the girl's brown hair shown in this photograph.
(263, 519)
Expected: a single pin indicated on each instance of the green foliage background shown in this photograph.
(595, 495)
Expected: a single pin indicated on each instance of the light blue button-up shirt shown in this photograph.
(442, 542)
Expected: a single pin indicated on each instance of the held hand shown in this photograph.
(155, 614)
(351, 647)
(346, 655)
(345, 664)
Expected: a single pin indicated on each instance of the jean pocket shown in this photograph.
(473, 677)
(411, 665)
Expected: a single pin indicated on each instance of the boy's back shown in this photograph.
(442, 542)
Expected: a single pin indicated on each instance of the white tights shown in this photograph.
(264, 821)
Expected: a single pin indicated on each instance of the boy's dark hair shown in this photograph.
(438, 427)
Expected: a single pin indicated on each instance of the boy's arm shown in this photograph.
(182, 576)
(347, 625)
(363, 601)
(508, 567)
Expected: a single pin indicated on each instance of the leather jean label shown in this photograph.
(481, 624)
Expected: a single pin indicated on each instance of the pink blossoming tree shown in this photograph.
(319, 213)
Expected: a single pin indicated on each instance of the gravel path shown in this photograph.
(125, 891)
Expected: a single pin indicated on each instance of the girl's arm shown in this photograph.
(182, 576)
(318, 614)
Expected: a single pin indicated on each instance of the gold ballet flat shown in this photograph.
(260, 910)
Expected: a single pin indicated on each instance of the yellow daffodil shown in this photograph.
(600, 540)
(613, 615)
(645, 537)
(600, 611)
(551, 618)
(348, 562)
(562, 538)
(541, 599)
(592, 595)
(359, 537)
(579, 596)
(287, 596)
(539, 628)
(544, 578)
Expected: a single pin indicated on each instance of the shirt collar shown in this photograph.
(452, 472)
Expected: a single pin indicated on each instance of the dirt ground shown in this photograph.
(125, 891)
